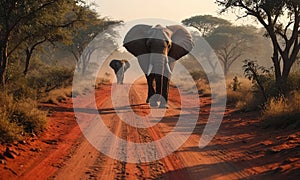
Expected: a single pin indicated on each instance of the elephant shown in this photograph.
(157, 48)
(119, 67)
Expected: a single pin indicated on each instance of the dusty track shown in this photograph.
(234, 153)
(87, 162)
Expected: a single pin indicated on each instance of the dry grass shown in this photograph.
(17, 118)
(29, 116)
(58, 95)
(283, 111)
(9, 130)
(243, 97)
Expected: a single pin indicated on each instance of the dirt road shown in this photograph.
(88, 163)
(72, 156)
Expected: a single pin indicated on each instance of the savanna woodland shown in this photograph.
(42, 42)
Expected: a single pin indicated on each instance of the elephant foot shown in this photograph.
(163, 105)
(153, 104)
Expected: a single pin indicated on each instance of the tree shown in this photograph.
(205, 23)
(26, 24)
(230, 43)
(52, 25)
(281, 19)
(93, 26)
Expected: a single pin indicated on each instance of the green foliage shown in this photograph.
(34, 27)
(32, 23)
(259, 75)
(51, 78)
(93, 25)
(280, 19)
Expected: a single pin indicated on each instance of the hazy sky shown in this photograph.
(175, 10)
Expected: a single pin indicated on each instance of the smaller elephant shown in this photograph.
(119, 67)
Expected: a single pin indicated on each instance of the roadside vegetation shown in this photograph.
(268, 80)
(41, 46)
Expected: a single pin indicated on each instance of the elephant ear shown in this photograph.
(112, 64)
(135, 39)
(182, 42)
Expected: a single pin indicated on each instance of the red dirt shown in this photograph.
(242, 148)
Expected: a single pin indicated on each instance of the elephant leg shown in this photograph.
(151, 91)
(164, 93)
(159, 86)
(117, 78)
(121, 78)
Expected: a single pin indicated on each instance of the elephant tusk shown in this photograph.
(168, 68)
(149, 69)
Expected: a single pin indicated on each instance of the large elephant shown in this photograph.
(119, 67)
(157, 48)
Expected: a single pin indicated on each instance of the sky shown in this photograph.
(174, 10)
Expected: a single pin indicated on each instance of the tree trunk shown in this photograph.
(3, 64)
(27, 61)
(287, 65)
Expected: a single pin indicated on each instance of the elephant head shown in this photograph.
(119, 67)
(156, 48)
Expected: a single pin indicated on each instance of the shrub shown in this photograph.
(243, 97)
(58, 95)
(18, 117)
(52, 78)
(9, 131)
(282, 111)
(293, 82)
(29, 116)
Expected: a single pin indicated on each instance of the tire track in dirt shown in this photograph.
(87, 161)
(188, 162)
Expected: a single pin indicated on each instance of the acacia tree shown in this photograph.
(205, 23)
(93, 26)
(53, 25)
(26, 24)
(230, 43)
(281, 20)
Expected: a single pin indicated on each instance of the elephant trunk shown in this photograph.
(159, 64)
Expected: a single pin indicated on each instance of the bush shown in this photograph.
(52, 78)
(18, 117)
(9, 131)
(58, 95)
(243, 97)
(293, 83)
(282, 111)
(29, 116)
(19, 113)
